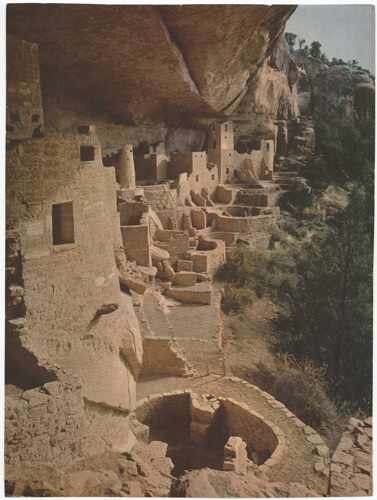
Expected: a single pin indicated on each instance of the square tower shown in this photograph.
(220, 137)
(221, 147)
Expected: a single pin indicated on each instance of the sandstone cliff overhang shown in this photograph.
(143, 61)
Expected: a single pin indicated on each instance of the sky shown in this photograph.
(345, 31)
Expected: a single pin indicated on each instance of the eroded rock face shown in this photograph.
(208, 483)
(139, 62)
(311, 66)
(271, 96)
(341, 92)
(143, 472)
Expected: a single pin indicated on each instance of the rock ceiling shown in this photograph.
(137, 62)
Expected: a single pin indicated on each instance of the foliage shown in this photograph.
(344, 153)
(298, 198)
(337, 62)
(329, 316)
(291, 39)
(330, 313)
(253, 273)
(234, 299)
(315, 50)
(301, 386)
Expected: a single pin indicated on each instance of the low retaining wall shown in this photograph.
(191, 295)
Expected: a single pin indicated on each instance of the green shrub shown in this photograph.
(236, 299)
(253, 273)
(302, 388)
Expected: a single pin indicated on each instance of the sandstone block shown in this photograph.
(36, 398)
(169, 271)
(185, 278)
(133, 283)
(314, 439)
(340, 457)
(235, 454)
(362, 481)
(159, 254)
(184, 265)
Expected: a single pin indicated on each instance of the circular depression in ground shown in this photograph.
(197, 428)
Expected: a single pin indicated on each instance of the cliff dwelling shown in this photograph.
(121, 209)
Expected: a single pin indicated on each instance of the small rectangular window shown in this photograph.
(213, 177)
(86, 153)
(197, 178)
(214, 145)
(35, 118)
(268, 146)
(83, 129)
(230, 154)
(227, 170)
(62, 223)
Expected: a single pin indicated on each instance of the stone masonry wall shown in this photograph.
(152, 167)
(46, 424)
(136, 242)
(65, 284)
(131, 213)
(24, 101)
(252, 429)
(239, 224)
(53, 424)
(161, 359)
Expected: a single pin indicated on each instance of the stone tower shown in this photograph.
(127, 168)
(221, 137)
(221, 147)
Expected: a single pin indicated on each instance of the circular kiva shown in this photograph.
(301, 456)
(200, 431)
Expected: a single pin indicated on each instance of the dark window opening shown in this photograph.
(62, 223)
(12, 144)
(226, 128)
(35, 118)
(225, 137)
(227, 170)
(268, 147)
(230, 154)
(37, 132)
(14, 117)
(83, 129)
(213, 177)
(235, 173)
(86, 153)
(214, 144)
(197, 178)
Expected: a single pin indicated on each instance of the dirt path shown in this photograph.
(248, 338)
